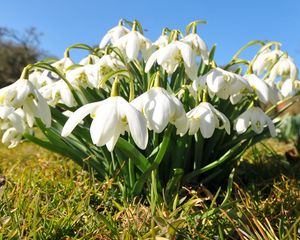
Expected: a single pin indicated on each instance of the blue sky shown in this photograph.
(231, 24)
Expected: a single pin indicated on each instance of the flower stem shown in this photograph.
(25, 72)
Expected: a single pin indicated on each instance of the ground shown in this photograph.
(46, 196)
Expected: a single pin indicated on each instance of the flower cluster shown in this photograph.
(148, 85)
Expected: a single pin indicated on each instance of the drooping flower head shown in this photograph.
(161, 108)
(206, 118)
(22, 94)
(265, 93)
(257, 119)
(290, 87)
(170, 56)
(113, 35)
(111, 118)
(12, 125)
(221, 83)
(133, 43)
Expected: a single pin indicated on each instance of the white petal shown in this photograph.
(192, 71)
(243, 122)
(271, 127)
(105, 40)
(166, 54)
(23, 89)
(207, 125)
(133, 46)
(112, 142)
(137, 125)
(106, 120)
(17, 122)
(215, 81)
(187, 53)
(151, 61)
(258, 120)
(44, 110)
(5, 111)
(77, 117)
(157, 112)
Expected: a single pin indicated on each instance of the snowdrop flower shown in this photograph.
(34, 78)
(63, 63)
(221, 83)
(206, 118)
(10, 118)
(264, 92)
(285, 67)
(111, 117)
(23, 94)
(11, 137)
(90, 59)
(133, 43)
(255, 117)
(12, 125)
(266, 60)
(162, 41)
(170, 56)
(159, 107)
(198, 45)
(113, 35)
(290, 87)
(48, 77)
(105, 65)
(82, 76)
(59, 92)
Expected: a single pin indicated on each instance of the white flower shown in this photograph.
(198, 45)
(221, 83)
(23, 94)
(48, 77)
(63, 63)
(11, 137)
(82, 76)
(90, 59)
(285, 67)
(106, 65)
(113, 35)
(170, 56)
(290, 87)
(162, 41)
(58, 92)
(34, 78)
(12, 125)
(266, 60)
(264, 92)
(9, 118)
(133, 43)
(111, 117)
(255, 117)
(90, 75)
(207, 118)
(160, 108)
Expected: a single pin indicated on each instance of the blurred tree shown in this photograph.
(16, 51)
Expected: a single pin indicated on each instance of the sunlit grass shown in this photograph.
(44, 196)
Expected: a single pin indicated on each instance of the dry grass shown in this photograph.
(44, 196)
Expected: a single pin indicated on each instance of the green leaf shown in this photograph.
(129, 150)
(162, 150)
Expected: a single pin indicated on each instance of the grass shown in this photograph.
(45, 196)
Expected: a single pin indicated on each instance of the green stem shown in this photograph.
(25, 72)
(249, 44)
(153, 191)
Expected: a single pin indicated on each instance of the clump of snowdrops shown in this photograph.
(152, 115)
